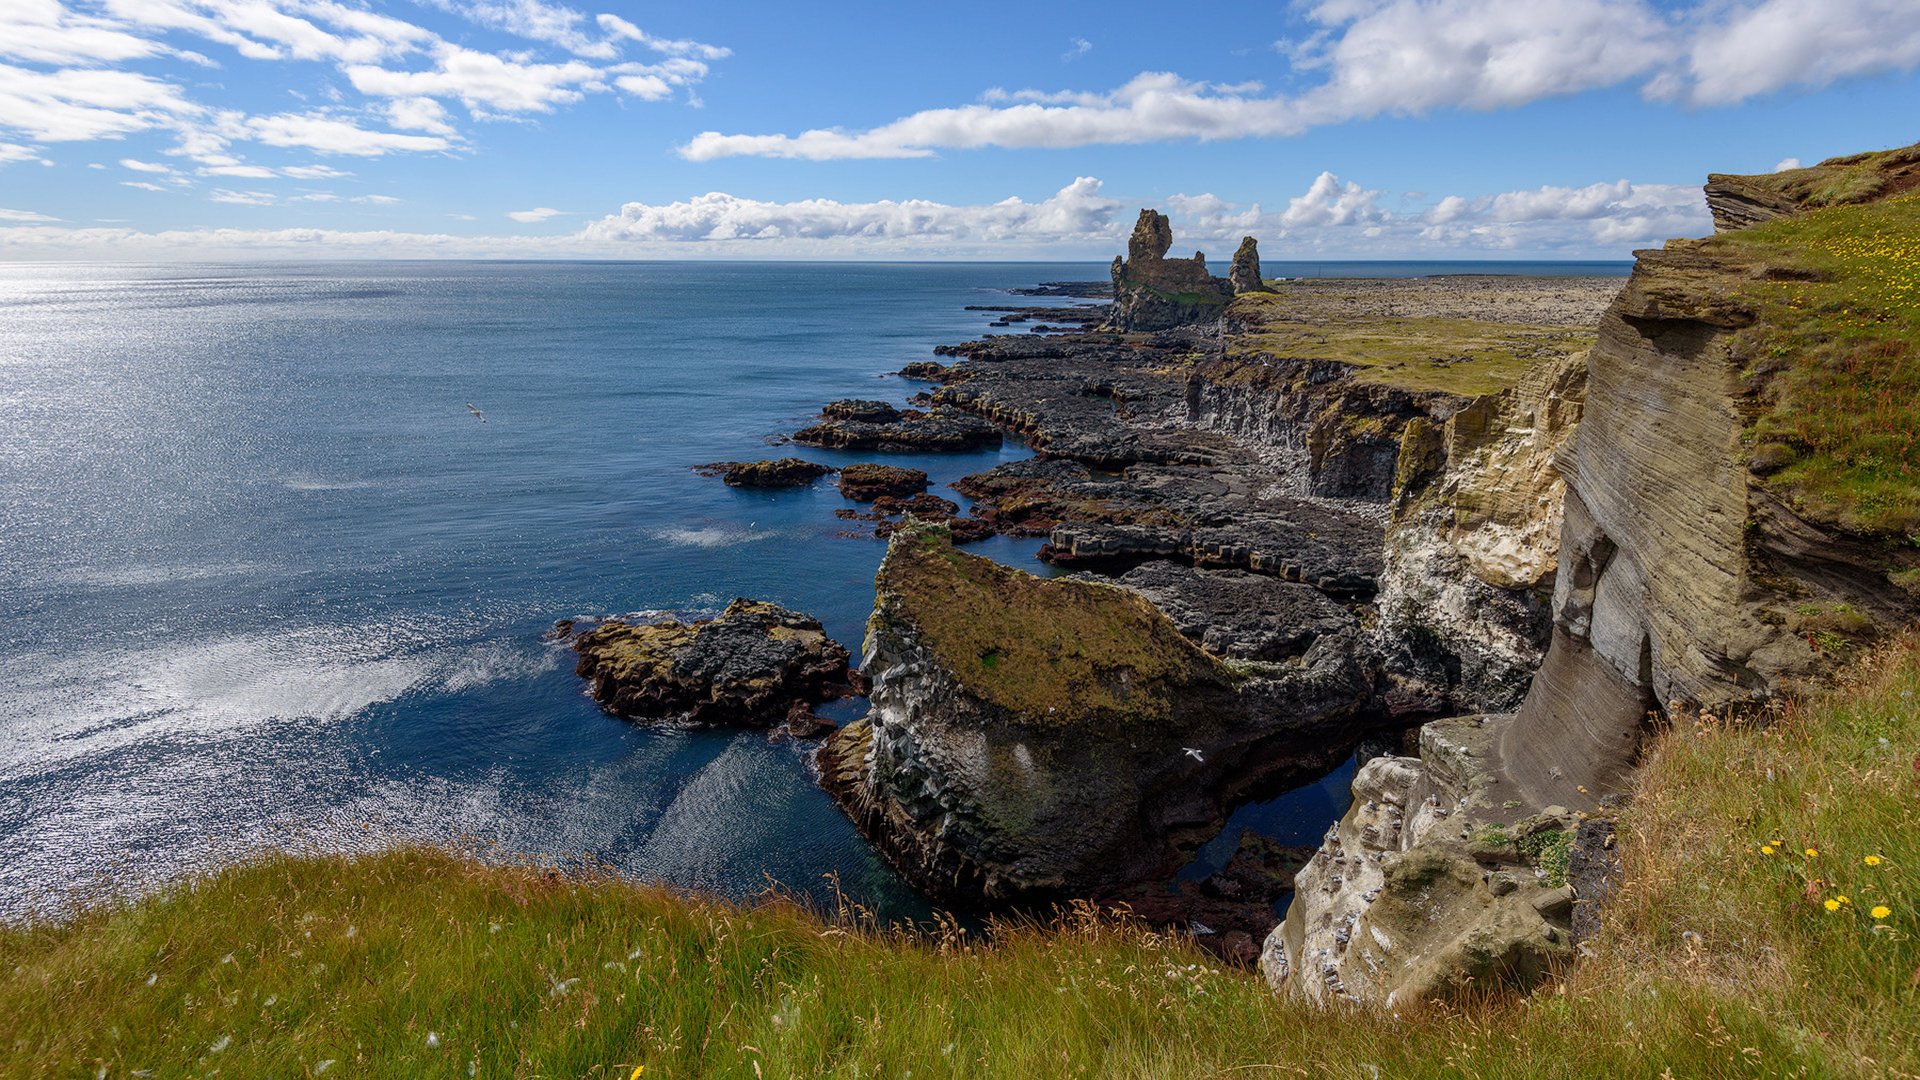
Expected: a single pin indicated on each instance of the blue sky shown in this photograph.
(1328, 128)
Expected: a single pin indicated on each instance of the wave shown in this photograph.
(712, 536)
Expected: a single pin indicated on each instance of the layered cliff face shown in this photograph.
(1153, 292)
(1030, 738)
(1741, 493)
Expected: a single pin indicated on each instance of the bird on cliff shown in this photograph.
(477, 414)
(1194, 754)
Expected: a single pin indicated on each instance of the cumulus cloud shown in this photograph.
(1076, 212)
(66, 72)
(1366, 58)
(1331, 218)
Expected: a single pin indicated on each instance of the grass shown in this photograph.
(1716, 959)
(1833, 360)
(1466, 357)
(1051, 650)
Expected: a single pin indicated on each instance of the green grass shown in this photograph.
(1834, 361)
(1055, 651)
(1716, 960)
(1466, 357)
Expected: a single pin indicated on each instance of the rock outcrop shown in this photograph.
(1245, 272)
(875, 425)
(865, 483)
(1031, 739)
(1429, 887)
(1474, 542)
(749, 667)
(1153, 292)
(780, 473)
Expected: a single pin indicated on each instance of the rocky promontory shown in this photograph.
(1030, 738)
(1153, 292)
(748, 667)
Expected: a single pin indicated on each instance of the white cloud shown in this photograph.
(1332, 218)
(313, 172)
(143, 185)
(1758, 49)
(1412, 57)
(78, 104)
(537, 214)
(24, 215)
(1077, 212)
(244, 172)
(46, 32)
(1076, 49)
(242, 198)
(12, 152)
(1786, 164)
(331, 135)
(419, 114)
(145, 166)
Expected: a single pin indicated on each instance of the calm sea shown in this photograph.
(265, 579)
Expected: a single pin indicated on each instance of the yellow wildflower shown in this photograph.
(1813, 853)
(1842, 898)
(1833, 905)
(1881, 911)
(1872, 860)
(1766, 849)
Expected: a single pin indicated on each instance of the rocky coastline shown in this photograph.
(1437, 516)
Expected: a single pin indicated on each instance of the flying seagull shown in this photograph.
(1194, 754)
(477, 414)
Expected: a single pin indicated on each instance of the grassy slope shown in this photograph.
(1717, 960)
(1837, 358)
(1468, 357)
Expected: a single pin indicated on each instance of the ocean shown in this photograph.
(266, 580)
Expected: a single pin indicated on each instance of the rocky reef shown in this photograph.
(1153, 292)
(1030, 739)
(865, 483)
(876, 425)
(749, 667)
(780, 473)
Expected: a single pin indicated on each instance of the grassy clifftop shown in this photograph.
(1055, 651)
(1768, 927)
(1834, 357)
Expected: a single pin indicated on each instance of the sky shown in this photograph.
(1328, 129)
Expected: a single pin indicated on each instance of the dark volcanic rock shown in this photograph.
(749, 667)
(1029, 738)
(925, 370)
(866, 412)
(940, 430)
(785, 472)
(865, 483)
(1245, 273)
(1153, 292)
(1238, 614)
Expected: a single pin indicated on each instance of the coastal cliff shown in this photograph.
(1031, 739)
(1735, 523)
(1153, 292)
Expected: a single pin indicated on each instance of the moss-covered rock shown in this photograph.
(748, 667)
(777, 473)
(1034, 738)
(866, 482)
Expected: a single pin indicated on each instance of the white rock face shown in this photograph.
(1412, 894)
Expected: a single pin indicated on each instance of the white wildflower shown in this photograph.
(433, 1039)
(220, 1044)
(322, 1066)
(560, 988)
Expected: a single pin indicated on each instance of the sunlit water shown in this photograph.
(266, 579)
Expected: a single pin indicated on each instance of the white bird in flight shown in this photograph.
(477, 414)
(1194, 754)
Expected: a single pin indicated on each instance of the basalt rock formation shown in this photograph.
(865, 483)
(1245, 272)
(784, 472)
(749, 667)
(1153, 292)
(1032, 739)
(875, 425)
(1689, 578)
